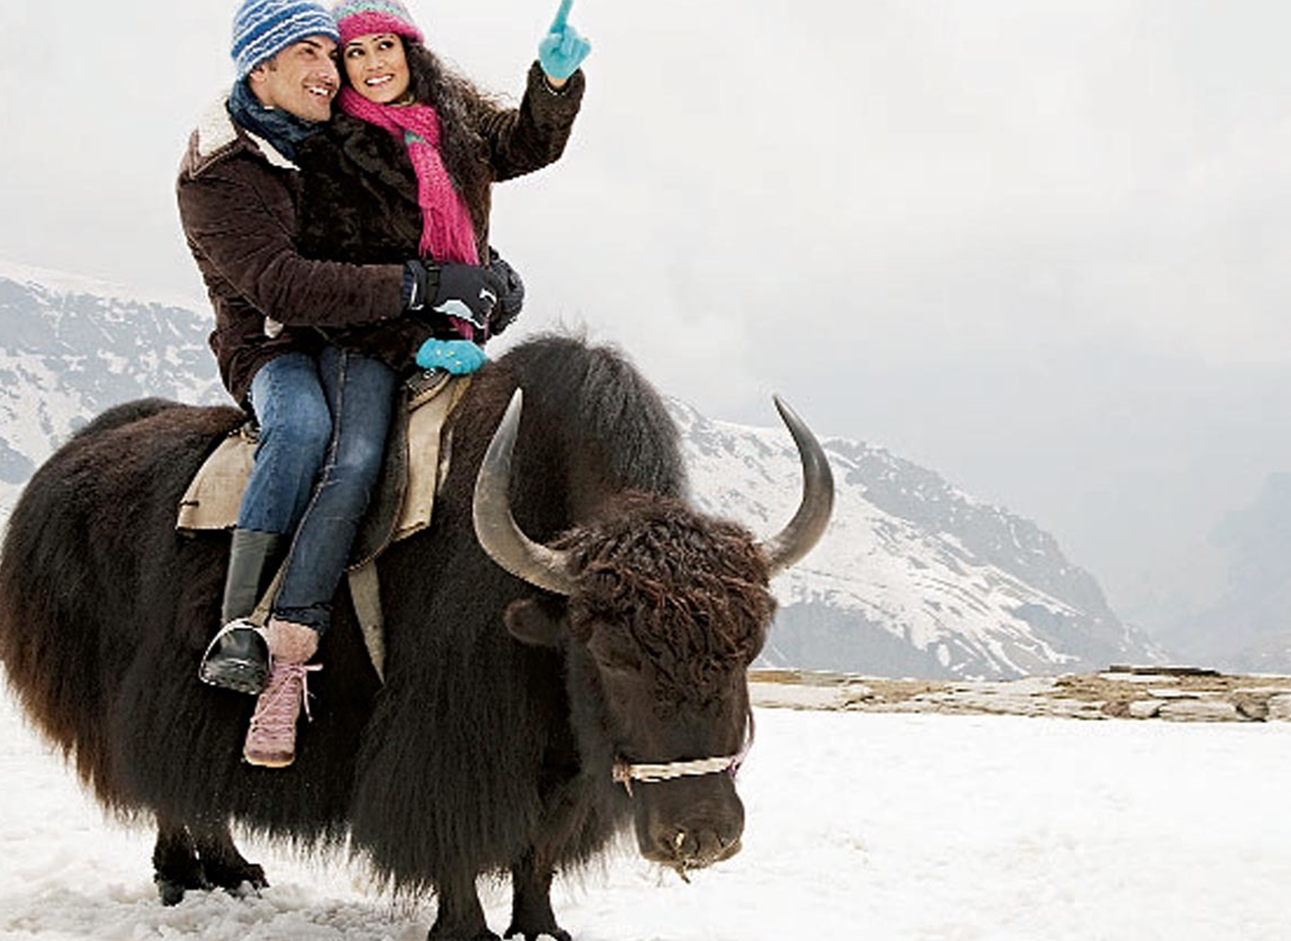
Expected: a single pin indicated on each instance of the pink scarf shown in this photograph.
(447, 233)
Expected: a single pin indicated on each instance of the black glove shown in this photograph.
(512, 301)
(466, 294)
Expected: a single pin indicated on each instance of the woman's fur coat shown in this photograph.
(359, 200)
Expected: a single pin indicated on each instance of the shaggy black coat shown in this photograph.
(474, 755)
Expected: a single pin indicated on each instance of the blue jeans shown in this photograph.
(323, 424)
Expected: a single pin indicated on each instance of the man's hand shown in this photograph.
(512, 300)
(466, 294)
(562, 50)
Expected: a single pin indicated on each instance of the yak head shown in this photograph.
(663, 611)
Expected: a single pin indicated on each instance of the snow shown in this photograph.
(874, 826)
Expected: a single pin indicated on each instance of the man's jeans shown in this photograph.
(323, 424)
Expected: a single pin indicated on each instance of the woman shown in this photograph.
(410, 160)
(403, 171)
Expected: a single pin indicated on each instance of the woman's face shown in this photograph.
(377, 67)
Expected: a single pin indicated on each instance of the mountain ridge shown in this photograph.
(913, 578)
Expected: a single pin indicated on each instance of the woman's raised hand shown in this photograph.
(563, 49)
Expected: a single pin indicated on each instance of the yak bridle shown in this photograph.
(625, 772)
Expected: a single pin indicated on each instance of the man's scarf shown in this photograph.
(280, 128)
(447, 234)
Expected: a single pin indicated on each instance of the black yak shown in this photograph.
(586, 674)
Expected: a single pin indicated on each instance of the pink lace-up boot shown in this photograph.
(271, 740)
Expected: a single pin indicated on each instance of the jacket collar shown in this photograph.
(217, 136)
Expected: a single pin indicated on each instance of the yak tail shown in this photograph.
(42, 592)
(71, 567)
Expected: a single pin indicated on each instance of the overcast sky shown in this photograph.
(1042, 247)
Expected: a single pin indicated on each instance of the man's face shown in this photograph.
(301, 80)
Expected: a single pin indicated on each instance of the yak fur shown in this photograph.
(479, 752)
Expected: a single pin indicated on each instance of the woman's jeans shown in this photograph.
(323, 423)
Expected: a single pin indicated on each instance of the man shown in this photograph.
(238, 190)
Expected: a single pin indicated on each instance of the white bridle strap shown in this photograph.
(625, 773)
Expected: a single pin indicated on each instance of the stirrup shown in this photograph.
(237, 659)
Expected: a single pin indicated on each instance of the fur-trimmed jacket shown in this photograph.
(359, 200)
(239, 201)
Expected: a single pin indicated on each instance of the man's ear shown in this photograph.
(261, 72)
(537, 622)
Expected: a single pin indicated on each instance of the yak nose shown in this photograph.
(697, 847)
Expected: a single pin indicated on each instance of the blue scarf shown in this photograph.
(280, 128)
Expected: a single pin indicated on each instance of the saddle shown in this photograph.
(416, 461)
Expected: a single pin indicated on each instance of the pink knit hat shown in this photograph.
(364, 17)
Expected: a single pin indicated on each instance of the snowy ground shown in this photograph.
(860, 826)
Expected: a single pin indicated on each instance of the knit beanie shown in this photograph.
(364, 17)
(263, 28)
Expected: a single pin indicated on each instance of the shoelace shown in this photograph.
(273, 717)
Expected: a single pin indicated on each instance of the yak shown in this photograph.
(566, 648)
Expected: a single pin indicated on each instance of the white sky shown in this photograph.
(1042, 246)
(884, 827)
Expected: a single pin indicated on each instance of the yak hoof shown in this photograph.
(437, 935)
(172, 891)
(232, 879)
(208, 876)
(559, 934)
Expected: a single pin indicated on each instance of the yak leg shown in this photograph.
(176, 868)
(531, 913)
(223, 865)
(460, 916)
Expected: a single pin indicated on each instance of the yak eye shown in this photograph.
(622, 663)
(614, 656)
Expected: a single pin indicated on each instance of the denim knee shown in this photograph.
(351, 478)
(361, 459)
(300, 434)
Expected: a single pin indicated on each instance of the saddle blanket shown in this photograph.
(416, 460)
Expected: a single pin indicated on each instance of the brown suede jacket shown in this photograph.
(359, 201)
(239, 204)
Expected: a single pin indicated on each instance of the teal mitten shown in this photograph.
(562, 50)
(457, 356)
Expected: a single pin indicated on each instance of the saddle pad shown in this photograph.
(212, 498)
(405, 494)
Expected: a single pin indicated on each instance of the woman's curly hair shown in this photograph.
(461, 106)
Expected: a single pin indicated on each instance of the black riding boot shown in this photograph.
(238, 657)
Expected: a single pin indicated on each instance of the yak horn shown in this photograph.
(808, 524)
(496, 528)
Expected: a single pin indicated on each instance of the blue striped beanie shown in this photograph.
(263, 28)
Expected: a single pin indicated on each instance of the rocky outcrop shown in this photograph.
(1176, 695)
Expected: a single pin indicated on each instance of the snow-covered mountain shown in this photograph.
(913, 578)
(70, 347)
